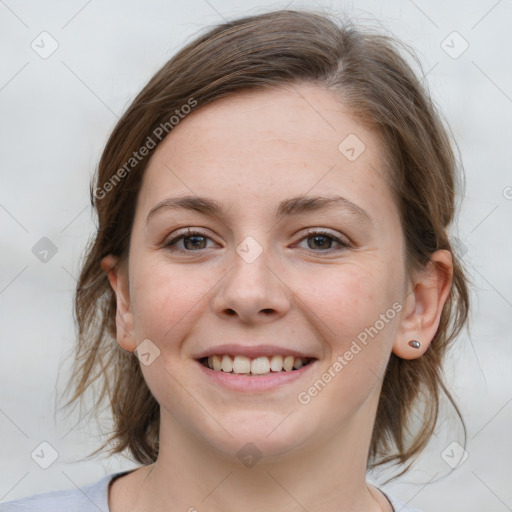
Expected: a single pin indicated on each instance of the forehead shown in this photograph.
(269, 144)
(287, 119)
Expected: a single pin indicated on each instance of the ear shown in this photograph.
(424, 305)
(118, 277)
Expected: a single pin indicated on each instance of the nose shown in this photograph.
(252, 291)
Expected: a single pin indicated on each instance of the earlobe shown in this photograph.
(412, 349)
(425, 305)
(118, 277)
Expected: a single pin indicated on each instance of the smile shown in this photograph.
(256, 366)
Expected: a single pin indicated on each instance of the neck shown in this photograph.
(328, 475)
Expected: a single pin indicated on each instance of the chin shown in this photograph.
(264, 437)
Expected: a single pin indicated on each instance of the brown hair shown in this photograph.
(371, 77)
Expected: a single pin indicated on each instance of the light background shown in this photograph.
(55, 117)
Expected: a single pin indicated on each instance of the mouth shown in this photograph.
(254, 366)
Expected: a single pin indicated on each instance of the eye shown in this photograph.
(193, 241)
(318, 240)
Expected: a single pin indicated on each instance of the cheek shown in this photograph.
(347, 299)
(358, 323)
(167, 301)
(355, 315)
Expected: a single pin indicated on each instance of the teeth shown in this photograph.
(276, 363)
(217, 364)
(241, 364)
(256, 366)
(227, 364)
(260, 365)
(288, 363)
(297, 363)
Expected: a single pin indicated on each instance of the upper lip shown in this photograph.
(251, 351)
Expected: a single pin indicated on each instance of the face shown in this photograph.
(266, 274)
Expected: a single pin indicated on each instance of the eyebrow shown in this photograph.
(288, 207)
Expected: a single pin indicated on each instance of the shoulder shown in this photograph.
(88, 498)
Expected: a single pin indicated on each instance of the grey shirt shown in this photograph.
(94, 498)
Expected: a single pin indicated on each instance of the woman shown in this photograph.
(273, 260)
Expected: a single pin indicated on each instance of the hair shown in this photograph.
(367, 72)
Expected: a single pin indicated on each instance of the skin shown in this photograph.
(250, 151)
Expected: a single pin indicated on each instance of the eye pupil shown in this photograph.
(196, 241)
(318, 239)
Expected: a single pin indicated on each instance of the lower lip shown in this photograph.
(239, 382)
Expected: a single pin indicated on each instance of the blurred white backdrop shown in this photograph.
(68, 71)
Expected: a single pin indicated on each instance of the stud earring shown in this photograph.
(414, 344)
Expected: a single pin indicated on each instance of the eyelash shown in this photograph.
(171, 243)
